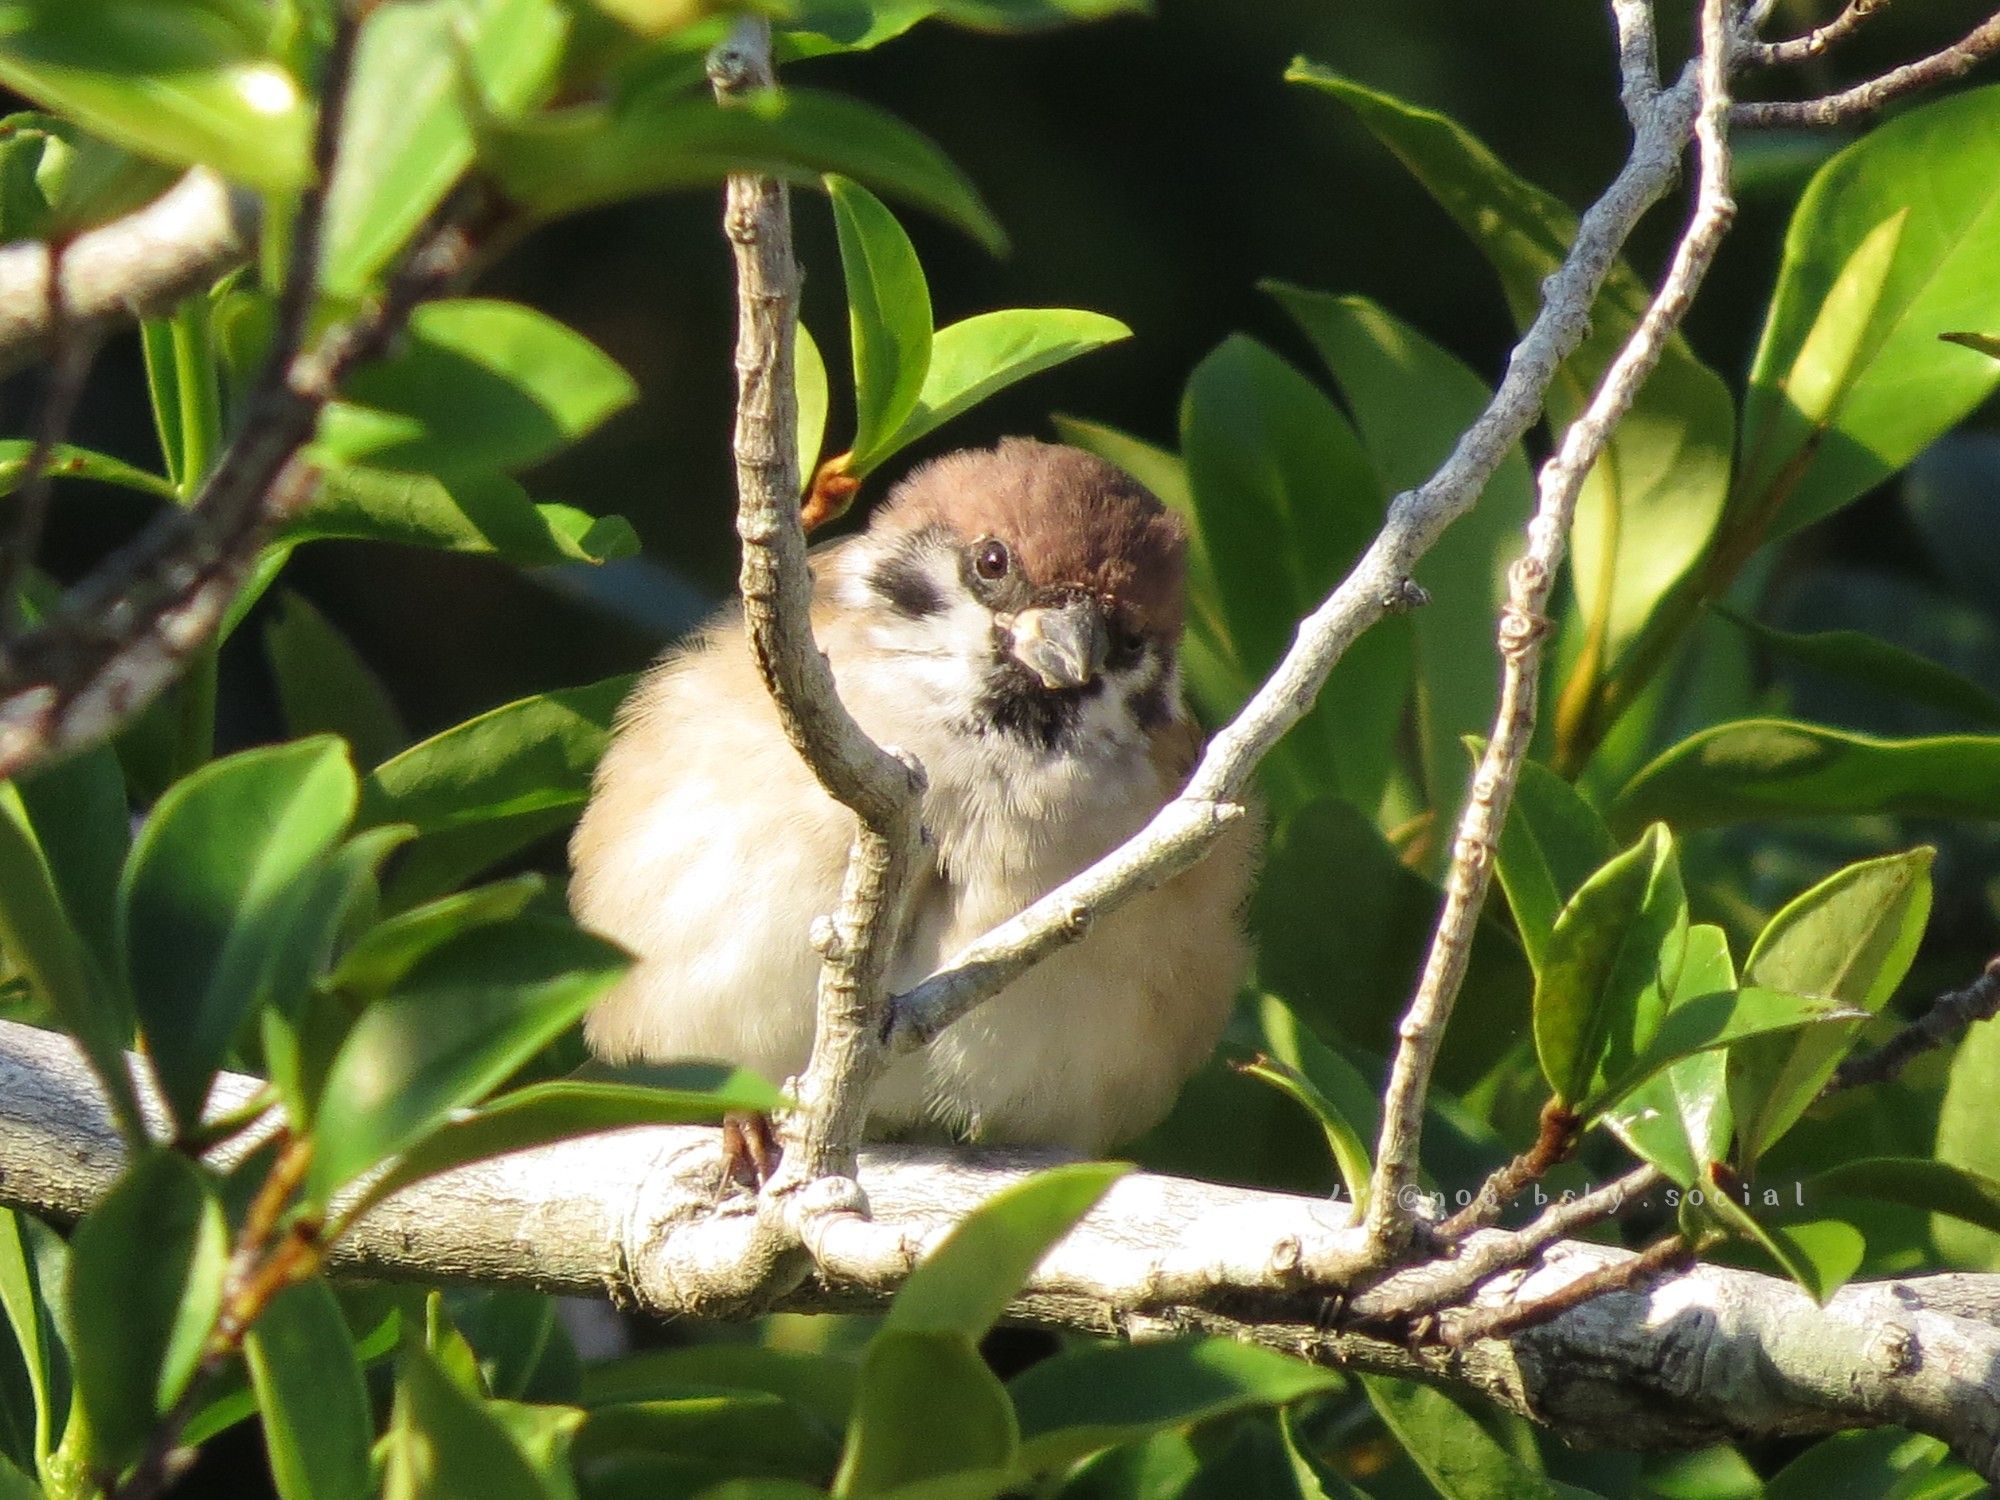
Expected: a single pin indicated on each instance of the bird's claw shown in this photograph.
(750, 1150)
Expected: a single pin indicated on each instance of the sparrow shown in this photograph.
(1012, 617)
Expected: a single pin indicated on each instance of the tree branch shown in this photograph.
(881, 788)
(1943, 66)
(1709, 1355)
(137, 265)
(1948, 1017)
(1815, 42)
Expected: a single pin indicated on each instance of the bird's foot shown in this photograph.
(750, 1150)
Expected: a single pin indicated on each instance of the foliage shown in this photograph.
(1712, 893)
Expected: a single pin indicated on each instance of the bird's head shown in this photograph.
(1040, 589)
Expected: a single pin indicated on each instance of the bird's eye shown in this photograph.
(991, 559)
(1126, 644)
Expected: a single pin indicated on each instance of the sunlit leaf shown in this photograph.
(888, 317)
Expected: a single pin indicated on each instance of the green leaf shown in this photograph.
(1874, 663)
(1285, 500)
(1850, 939)
(1721, 1019)
(422, 74)
(1651, 504)
(809, 375)
(1820, 1256)
(324, 687)
(1411, 400)
(1934, 1187)
(145, 1285)
(443, 1443)
(817, 1383)
(1330, 1088)
(465, 1017)
(317, 1424)
(379, 959)
(547, 1112)
(590, 154)
(749, 1433)
(1105, 1395)
(1775, 768)
(1888, 249)
(1552, 843)
(927, 1408)
(1457, 1452)
(33, 1267)
(57, 181)
(1680, 1120)
(963, 1286)
(483, 515)
(41, 943)
(1875, 1465)
(1612, 960)
(185, 84)
(976, 357)
(81, 817)
(67, 462)
(206, 903)
(477, 386)
(888, 317)
(1968, 1137)
(484, 788)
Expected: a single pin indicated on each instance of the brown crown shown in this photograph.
(1071, 519)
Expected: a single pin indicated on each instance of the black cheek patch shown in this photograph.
(1148, 702)
(900, 580)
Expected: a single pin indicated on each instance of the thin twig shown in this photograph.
(1948, 1017)
(882, 789)
(1943, 66)
(1815, 42)
(1524, 626)
(1554, 1140)
(73, 348)
(1379, 584)
(1468, 1327)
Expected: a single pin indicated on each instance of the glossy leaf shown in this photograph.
(465, 1017)
(42, 944)
(547, 1112)
(1935, 1187)
(206, 904)
(476, 387)
(1774, 768)
(68, 462)
(1330, 1088)
(1553, 841)
(1104, 1395)
(1285, 500)
(821, 1384)
(33, 1261)
(1820, 1256)
(928, 1410)
(963, 1285)
(1680, 1120)
(421, 73)
(813, 396)
(1411, 400)
(1851, 939)
(1611, 963)
(324, 687)
(484, 515)
(1968, 1138)
(379, 959)
(1872, 1465)
(976, 357)
(145, 1285)
(1874, 663)
(185, 84)
(489, 786)
(1721, 1019)
(83, 820)
(590, 155)
(443, 1442)
(888, 317)
(1652, 503)
(1457, 1452)
(1887, 250)
(316, 1419)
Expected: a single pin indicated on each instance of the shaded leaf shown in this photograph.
(324, 687)
(1874, 663)
(486, 515)
(1968, 1137)
(1330, 1088)
(1935, 1187)
(888, 317)
(967, 1423)
(1454, 1449)
(443, 1442)
(1551, 844)
(68, 462)
(307, 1379)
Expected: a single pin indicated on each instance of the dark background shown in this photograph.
(1151, 169)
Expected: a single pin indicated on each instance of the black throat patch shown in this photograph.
(1014, 704)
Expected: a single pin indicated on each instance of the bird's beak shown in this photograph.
(1063, 644)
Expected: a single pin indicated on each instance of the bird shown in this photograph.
(1011, 617)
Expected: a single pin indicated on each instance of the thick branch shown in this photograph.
(1713, 1354)
(140, 264)
(882, 789)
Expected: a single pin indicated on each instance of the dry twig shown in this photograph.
(1942, 66)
